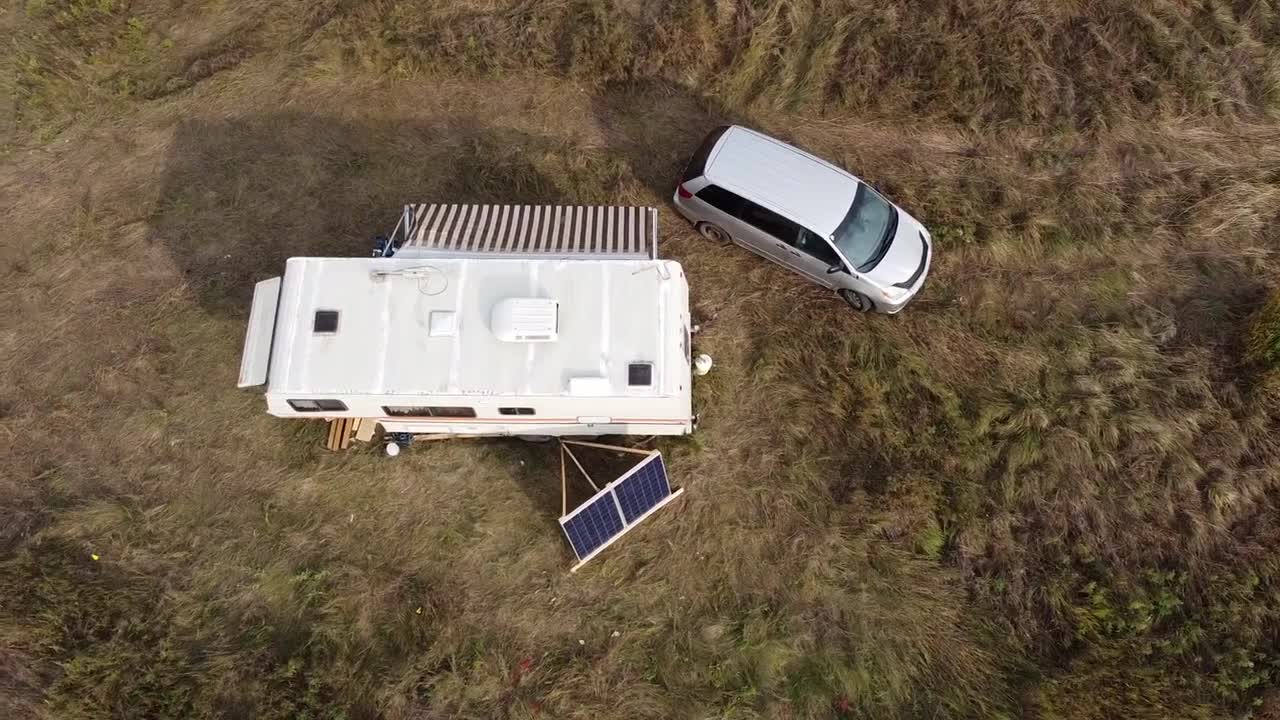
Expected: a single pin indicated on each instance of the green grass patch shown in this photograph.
(1264, 336)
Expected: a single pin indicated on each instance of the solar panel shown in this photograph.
(593, 524)
(618, 507)
(642, 490)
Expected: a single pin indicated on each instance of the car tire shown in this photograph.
(714, 233)
(856, 300)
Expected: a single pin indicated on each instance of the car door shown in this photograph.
(798, 248)
(725, 211)
(772, 234)
(813, 256)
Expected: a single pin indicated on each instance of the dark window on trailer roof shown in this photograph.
(307, 405)
(326, 321)
(640, 374)
(515, 411)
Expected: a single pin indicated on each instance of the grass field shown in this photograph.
(1050, 489)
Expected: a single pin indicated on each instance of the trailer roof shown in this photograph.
(417, 326)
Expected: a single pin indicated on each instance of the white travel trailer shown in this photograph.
(531, 343)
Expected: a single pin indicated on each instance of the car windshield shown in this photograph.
(864, 234)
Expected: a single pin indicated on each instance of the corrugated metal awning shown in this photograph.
(547, 230)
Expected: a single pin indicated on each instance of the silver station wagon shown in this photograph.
(806, 214)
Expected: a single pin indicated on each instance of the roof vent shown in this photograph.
(526, 320)
(442, 323)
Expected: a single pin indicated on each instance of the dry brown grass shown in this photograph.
(1048, 490)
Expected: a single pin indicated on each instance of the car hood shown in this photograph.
(904, 255)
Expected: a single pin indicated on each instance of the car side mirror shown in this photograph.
(838, 267)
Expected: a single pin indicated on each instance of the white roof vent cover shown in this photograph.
(526, 320)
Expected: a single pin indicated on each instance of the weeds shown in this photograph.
(970, 62)
(1264, 337)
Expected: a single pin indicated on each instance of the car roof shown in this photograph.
(783, 178)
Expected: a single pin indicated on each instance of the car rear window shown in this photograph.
(698, 163)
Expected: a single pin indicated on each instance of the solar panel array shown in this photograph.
(616, 508)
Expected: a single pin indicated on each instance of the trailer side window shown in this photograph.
(515, 411)
(428, 411)
(459, 412)
(317, 405)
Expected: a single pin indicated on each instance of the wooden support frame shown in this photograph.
(601, 446)
(564, 486)
(565, 514)
(580, 468)
(564, 450)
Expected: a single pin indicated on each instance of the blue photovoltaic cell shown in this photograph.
(593, 525)
(643, 489)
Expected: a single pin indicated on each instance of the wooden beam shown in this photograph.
(330, 441)
(584, 471)
(564, 488)
(600, 446)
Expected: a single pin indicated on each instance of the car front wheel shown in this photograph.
(713, 232)
(856, 300)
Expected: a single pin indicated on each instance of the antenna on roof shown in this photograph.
(660, 268)
(431, 279)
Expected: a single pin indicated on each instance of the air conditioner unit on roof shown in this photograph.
(526, 320)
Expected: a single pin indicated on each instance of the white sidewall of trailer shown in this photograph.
(552, 415)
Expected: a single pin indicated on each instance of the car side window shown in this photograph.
(770, 222)
(720, 199)
(813, 244)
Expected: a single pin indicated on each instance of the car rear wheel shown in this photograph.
(856, 300)
(713, 232)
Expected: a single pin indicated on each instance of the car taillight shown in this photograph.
(684, 194)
